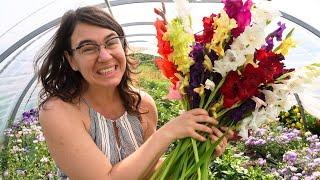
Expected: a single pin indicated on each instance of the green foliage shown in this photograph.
(167, 109)
(143, 58)
(154, 84)
(234, 166)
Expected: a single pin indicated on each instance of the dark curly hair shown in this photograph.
(55, 73)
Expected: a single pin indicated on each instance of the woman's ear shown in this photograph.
(70, 60)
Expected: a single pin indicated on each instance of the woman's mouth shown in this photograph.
(108, 70)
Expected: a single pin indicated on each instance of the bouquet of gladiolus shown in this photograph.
(232, 69)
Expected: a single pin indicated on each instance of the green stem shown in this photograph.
(204, 157)
(221, 113)
(196, 155)
(171, 161)
(202, 100)
(213, 93)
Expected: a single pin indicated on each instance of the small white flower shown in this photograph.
(44, 159)
(5, 173)
(15, 149)
(209, 84)
(50, 176)
(35, 141)
(316, 174)
(307, 134)
(40, 137)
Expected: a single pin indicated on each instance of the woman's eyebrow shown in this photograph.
(110, 36)
(86, 41)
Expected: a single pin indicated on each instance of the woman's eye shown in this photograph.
(112, 42)
(89, 48)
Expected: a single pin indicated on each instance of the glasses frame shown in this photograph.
(121, 38)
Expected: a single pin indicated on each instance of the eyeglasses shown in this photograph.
(93, 49)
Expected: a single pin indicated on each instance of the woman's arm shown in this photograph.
(149, 122)
(76, 154)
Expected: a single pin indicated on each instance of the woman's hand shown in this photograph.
(189, 124)
(224, 142)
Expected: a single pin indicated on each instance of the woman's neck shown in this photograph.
(102, 97)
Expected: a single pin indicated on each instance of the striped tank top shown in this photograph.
(102, 132)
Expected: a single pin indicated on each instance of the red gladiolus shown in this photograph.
(168, 69)
(251, 80)
(207, 34)
(239, 88)
(230, 89)
(164, 48)
(270, 64)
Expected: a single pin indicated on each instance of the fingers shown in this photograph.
(197, 136)
(216, 131)
(207, 119)
(198, 111)
(229, 133)
(221, 146)
(204, 128)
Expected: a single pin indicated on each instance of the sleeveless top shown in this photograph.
(102, 132)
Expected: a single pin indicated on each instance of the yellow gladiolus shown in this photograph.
(223, 26)
(285, 45)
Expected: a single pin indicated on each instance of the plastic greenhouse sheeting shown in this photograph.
(27, 25)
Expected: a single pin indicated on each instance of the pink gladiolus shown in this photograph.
(173, 94)
(240, 12)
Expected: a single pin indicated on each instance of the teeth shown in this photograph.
(107, 70)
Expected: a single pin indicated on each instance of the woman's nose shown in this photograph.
(104, 54)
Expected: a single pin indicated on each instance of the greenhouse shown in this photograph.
(26, 27)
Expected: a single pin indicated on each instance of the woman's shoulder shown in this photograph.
(146, 99)
(149, 113)
(55, 109)
(56, 105)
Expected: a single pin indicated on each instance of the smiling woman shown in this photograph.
(90, 112)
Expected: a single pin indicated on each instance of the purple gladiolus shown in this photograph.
(279, 31)
(196, 73)
(275, 34)
(269, 46)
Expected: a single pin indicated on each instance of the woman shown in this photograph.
(96, 125)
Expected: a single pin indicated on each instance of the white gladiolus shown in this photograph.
(263, 14)
(244, 127)
(209, 84)
(184, 13)
(251, 39)
(259, 102)
(230, 62)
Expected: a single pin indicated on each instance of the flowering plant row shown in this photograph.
(26, 154)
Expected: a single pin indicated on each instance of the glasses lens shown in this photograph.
(89, 49)
(94, 49)
(114, 42)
